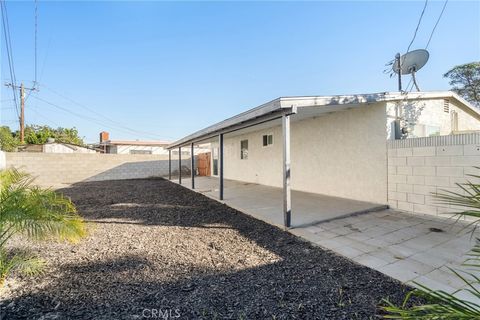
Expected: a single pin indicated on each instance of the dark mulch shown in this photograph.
(157, 250)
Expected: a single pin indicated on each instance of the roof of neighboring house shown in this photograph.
(282, 105)
(135, 143)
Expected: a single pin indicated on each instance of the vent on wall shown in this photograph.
(446, 105)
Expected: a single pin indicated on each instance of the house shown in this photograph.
(130, 146)
(331, 145)
(55, 147)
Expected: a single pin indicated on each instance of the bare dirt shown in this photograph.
(156, 250)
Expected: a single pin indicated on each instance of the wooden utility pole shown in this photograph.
(22, 107)
(22, 113)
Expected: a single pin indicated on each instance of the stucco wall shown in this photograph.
(2, 160)
(58, 169)
(422, 166)
(431, 113)
(126, 149)
(341, 154)
(61, 148)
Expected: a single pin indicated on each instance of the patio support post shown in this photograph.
(220, 160)
(192, 169)
(179, 165)
(287, 197)
(169, 164)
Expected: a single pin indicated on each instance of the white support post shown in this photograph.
(287, 197)
(220, 160)
(192, 169)
(169, 164)
(179, 165)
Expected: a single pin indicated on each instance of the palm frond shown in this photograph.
(21, 262)
(38, 213)
(440, 304)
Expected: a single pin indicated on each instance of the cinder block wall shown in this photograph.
(421, 166)
(59, 169)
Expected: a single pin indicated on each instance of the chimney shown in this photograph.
(104, 136)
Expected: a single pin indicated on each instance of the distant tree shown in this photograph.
(8, 140)
(465, 80)
(35, 134)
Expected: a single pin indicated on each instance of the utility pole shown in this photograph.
(22, 107)
(22, 113)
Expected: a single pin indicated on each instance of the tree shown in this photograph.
(35, 134)
(35, 212)
(465, 80)
(8, 141)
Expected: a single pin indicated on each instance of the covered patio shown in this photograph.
(327, 182)
(265, 203)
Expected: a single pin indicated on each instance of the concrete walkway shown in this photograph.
(407, 247)
(266, 203)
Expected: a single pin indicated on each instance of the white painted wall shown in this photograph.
(341, 154)
(3, 161)
(125, 149)
(61, 148)
(430, 113)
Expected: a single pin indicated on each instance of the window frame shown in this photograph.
(267, 136)
(244, 149)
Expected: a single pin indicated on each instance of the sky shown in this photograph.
(162, 70)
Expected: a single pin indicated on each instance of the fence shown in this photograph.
(419, 167)
(54, 169)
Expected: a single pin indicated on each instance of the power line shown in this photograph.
(436, 23)
(115, 123)
(35, 44)
(93, 120)
(418, 26)
(8, 46)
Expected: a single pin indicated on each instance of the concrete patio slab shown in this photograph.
(266, 203)
(401, 245)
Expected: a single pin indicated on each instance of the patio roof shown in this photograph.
(322, 104)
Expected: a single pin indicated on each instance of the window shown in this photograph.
(267, 140)
(244, 149)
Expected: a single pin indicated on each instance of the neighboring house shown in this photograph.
(55, 147)
(334, 145)
(130, 146)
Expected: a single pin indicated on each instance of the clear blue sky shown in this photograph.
(170, 68)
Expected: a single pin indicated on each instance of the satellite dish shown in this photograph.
(411, 61)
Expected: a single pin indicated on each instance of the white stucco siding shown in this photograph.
(127, 149)
(264, 164)
(342, 154)
(3, 161)
(466, 120)
(430, 117)
(61, 148)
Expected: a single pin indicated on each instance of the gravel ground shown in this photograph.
(157, 250)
